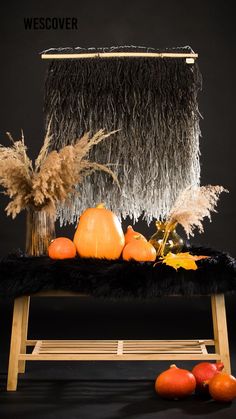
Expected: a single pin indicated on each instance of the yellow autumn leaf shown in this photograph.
(182, 260)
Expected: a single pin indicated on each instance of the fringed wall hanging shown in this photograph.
(150, 96)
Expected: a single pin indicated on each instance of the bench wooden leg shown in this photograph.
(220, 329)
(15, 347)
(24, 332)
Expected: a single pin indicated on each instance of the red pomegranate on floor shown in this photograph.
(205, 371)
(175, 383)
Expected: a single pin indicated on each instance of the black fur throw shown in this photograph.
(21, 275)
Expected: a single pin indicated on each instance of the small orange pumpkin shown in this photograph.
(222, 387)
(139, 250)
(175, 383)
(61, 248)
(99, 234)
(132, 235)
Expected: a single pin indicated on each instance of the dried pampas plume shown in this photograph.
(190, 208)
(53, 178)
(193, 205)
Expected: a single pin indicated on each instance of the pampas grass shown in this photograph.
(193, 205)
(190, 208)
(53, 178)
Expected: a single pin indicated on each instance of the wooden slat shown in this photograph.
(163, 349)
(77, 351)
(114, 357)
(208, 342)
(37, 348)
(79, 341)
(193, 342)
(120, 347)
(169, 351)
(204, 349)
(168, 345)
(83, 346)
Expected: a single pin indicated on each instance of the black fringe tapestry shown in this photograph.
(153, 102)
(20, 275)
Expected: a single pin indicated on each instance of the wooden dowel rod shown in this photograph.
(119, 54)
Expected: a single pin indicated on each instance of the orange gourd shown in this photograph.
(132, 235)
(222, 387)
(139, 250)
(99, 234)
(205, 371)
(175, 383)
(62, 248)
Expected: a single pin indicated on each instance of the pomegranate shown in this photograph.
(175, 383)
(203, 372)
(222, 387)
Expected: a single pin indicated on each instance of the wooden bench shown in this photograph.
(111, 350)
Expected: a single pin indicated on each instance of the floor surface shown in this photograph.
(107, 390)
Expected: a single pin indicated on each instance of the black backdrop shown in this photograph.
(209, 27)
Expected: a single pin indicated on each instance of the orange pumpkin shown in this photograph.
(222, 387)
(175, 383)
(61, 248)
(99, 234)
(139, 250)
(132, 235)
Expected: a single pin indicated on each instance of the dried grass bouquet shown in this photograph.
(41, 187)
(53, 177)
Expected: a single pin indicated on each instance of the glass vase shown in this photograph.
(166, 239)
(40, 230)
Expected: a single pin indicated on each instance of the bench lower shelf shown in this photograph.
(119, 350)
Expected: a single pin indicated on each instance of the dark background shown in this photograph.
(209, 28)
